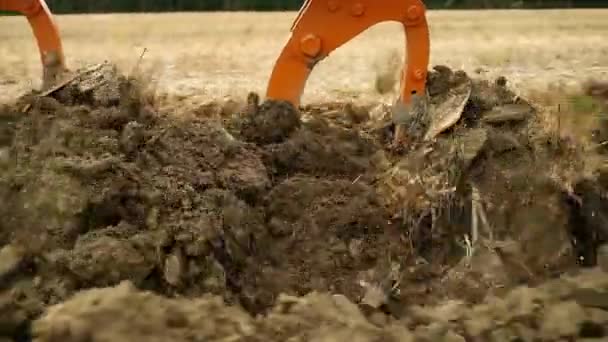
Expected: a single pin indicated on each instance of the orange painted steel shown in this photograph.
(324, 25)
(45, 30)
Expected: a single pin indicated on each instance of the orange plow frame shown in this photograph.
(324, 25)
(46, 32)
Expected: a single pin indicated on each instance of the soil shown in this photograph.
(567, 309)
(122, 222)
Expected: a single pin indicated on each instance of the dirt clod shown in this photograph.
(506, 113)
(270, 122)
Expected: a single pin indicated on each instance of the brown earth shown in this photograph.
(205, 221)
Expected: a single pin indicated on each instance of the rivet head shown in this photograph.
(310, 45)
(333, 5)
(413, 13)
(357, 10)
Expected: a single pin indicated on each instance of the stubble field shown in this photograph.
(171, 205)
(213, 55)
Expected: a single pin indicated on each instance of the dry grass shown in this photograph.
(212, 55)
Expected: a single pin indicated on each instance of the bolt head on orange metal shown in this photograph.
(333, 5)
(413, 13)
(310, 45)
(358, 9)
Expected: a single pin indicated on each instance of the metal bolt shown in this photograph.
(357, 10)
(413, 13)
(333, 5)
(310, 45)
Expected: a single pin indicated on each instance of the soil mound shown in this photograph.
(101, 189)
(571, 308)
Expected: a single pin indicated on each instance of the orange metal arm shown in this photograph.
(45, 30)
(324, 25)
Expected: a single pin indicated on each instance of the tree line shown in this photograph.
(102, 6)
